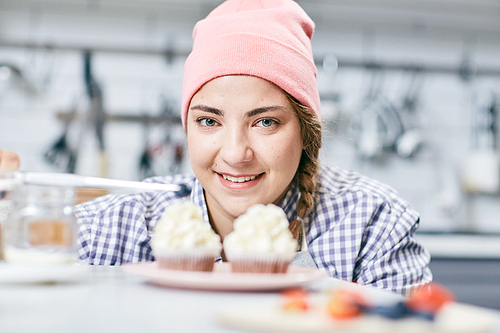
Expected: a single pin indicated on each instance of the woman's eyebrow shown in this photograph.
(206, 108)
(257, 111)
(249, 114)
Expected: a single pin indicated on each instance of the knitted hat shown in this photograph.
(270, 39)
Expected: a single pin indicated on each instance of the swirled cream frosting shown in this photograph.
(181, 227)
(262, 229)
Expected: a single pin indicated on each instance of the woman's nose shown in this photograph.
(236, 147)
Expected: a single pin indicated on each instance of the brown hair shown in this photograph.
(307, 173)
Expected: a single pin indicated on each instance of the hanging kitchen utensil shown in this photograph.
(485, 115)
(60, 153)
(363, 125)
(480, 169)
(380, 126)
(78, 181)
(410, 140)
(376, 126)
(98, 115)
(145, 167)
(145, 160)
(178, 158)
(410, 100)
(17, 79)
(493, 112)
(174, 142)
(167, 155)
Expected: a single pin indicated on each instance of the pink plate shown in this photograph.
(221, 278)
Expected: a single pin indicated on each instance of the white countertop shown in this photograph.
(461, 246)
(106, 299)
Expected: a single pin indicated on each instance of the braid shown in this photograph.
(307, 173)
(307, 185)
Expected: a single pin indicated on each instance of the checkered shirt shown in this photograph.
(360, 229)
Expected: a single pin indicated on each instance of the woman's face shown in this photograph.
(244, 143)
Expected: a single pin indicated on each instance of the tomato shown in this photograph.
(296, 299)
(296, 305)
(429, 298)
(344, 304)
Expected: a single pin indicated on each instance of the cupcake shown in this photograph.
(261, 241)
(183, 241)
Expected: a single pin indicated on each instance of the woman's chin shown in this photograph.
(236, 207)
(236, 210)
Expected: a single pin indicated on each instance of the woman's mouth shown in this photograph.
(236, 182)
(238, 179)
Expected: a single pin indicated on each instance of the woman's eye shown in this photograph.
(267, 122)
(207, 122)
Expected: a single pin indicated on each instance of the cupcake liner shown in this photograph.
(186, 260)
(258, 263)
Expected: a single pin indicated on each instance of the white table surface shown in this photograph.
(108, 300)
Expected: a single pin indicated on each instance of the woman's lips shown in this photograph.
(239, 182)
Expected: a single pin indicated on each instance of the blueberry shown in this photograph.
(396, 311)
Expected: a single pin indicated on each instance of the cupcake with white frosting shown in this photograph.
(183, 241)
(261, 241)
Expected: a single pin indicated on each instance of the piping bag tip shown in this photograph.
(184, 190)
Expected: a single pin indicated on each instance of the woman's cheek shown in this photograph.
(200, 150)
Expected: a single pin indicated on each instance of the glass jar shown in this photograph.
(41, 229)
(7, 183)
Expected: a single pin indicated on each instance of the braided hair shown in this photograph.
(307, 172)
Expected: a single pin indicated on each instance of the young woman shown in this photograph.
(251, 111)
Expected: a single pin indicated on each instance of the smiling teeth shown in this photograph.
(238, 179)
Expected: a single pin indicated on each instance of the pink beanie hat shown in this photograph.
(270, 39)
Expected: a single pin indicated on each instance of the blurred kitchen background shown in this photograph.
(410, 96)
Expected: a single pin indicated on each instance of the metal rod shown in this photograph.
(170, 52)
(466, 69)
(72, 180)
(124, 117)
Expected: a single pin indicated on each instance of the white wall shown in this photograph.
(135, 83)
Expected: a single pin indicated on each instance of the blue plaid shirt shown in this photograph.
(360, 229)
